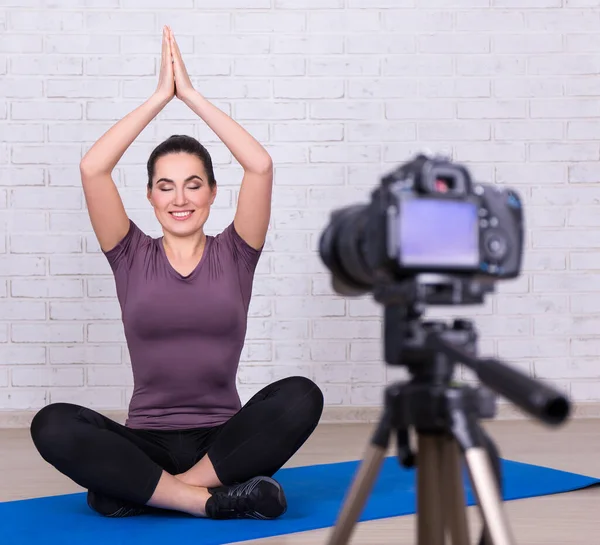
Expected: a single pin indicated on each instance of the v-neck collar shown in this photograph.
(174, 271)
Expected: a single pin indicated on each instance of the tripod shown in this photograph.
(445, 418)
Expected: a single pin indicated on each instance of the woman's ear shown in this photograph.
(214, 193)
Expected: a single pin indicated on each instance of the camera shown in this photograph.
(431, 235)
(428, 220)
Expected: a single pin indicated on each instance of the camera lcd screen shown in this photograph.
(438, 233)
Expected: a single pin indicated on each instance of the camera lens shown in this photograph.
(342, 246)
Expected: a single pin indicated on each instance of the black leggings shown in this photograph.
(119, 462)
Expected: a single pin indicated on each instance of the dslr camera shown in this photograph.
(430, 222)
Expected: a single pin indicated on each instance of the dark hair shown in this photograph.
(181, 143)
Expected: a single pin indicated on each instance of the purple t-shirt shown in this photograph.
(184, 333)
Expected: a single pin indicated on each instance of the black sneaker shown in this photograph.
(114, 508)
(260, 498)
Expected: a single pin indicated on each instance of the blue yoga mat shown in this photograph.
(315, 495)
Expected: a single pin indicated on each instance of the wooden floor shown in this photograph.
(572, 518)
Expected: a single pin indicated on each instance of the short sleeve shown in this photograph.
(245, 255)
(120, 258)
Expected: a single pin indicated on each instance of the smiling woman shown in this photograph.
(188, 444)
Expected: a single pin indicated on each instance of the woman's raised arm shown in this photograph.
(105, 207)
(253, 211)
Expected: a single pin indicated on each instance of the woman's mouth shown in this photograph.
(181, 216)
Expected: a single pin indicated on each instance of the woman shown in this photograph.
(187, 445)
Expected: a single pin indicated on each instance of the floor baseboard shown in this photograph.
(331, 414)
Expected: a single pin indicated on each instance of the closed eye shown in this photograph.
(165, 188)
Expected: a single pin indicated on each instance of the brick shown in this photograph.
(105, 333)
(85, 311)
(453, 130)
(187, 22)
(302, 307)
(85, 354)
(563, 151)
(79, 44)
(120, 66)
(344, 154)
(241, 44)
(20, 87)
(384, 43)
(355, 110)
(527, 43)
(57, 377)
(348, 20)
(46, 198)
(420, 109)
(418, 65)
(46, 20)
(51, 111)
(284, 286)
(311, 44)
(491, 65)
(271, 66)
(330, 197)
(447, 87)
(458, 43)
(101, 287)
(15, 354)
(532, 303)
(388, 87)
(417, 21)
(42, 244)
(47, 333)
(279, 330)
(46, 65)
(76, 88)
(567, 108)
(571, 20)
(271, 110)
(563, 282)
(120, 21)
(583, 172)
(109, 376)
(21, 132)
(22, 43)
(22, 266)
(491, 109)
(265, 21)
(259, 351)
(528, 87)
(23, 399)
(21, 176)
(47, 287)
(311, 88)
(76, 265)
(308, 132)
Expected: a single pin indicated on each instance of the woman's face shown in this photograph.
(180, 194)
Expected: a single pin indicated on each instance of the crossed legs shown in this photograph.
(123, 467)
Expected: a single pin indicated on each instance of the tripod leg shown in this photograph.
(496, 462)
(453, 491)
(488, 496)
(430, 521)
(363, 483)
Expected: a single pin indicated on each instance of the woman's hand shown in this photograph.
(183, 84)
(165, 89)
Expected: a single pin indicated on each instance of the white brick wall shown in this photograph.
(339, 92)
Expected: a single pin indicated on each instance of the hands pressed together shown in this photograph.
(173, 79)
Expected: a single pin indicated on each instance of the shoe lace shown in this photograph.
(240, 497)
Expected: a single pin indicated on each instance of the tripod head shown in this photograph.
(431, 349)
